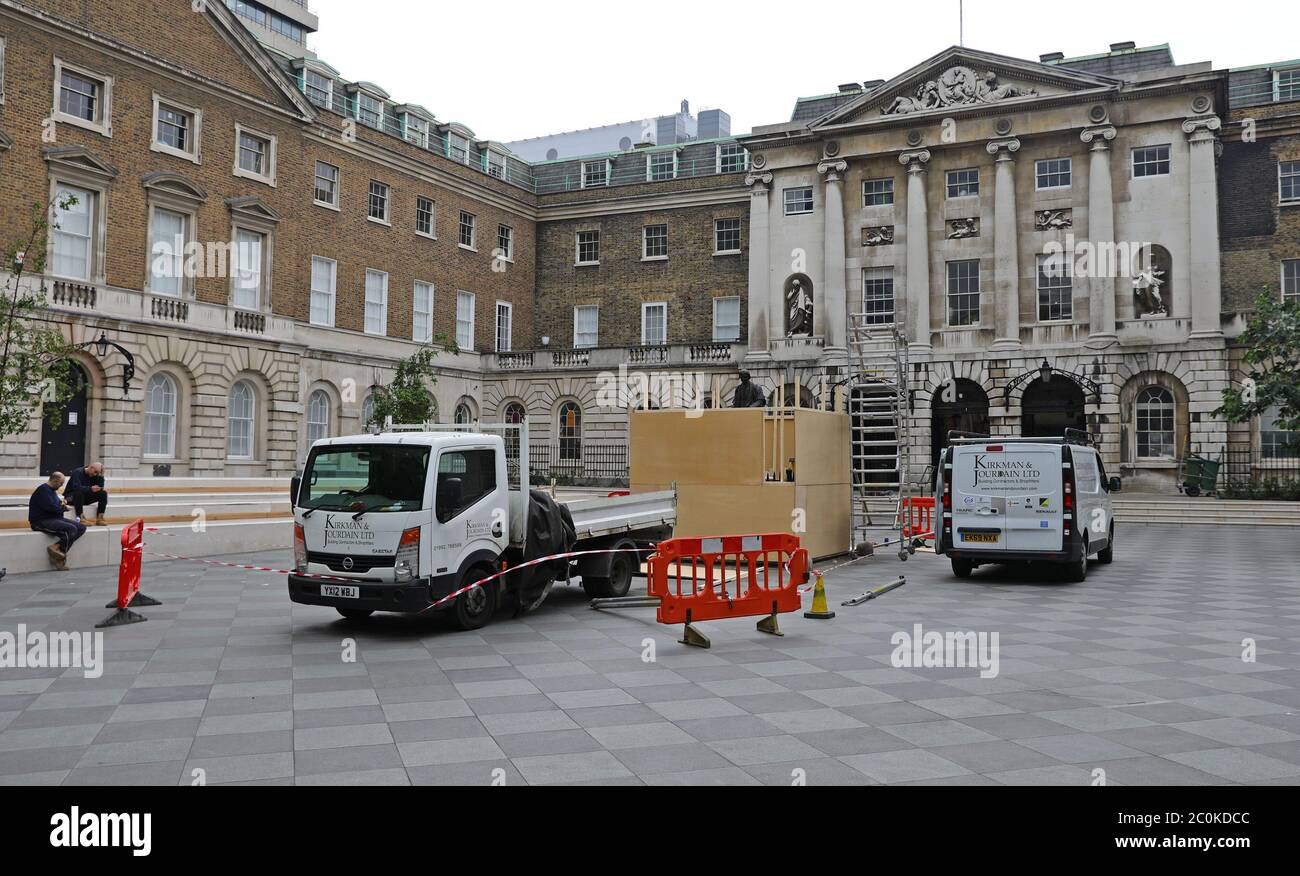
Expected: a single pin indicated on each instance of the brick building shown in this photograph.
(356, 228)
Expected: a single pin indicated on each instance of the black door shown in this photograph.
(1048, 409)
(63, 447)
(962, 406)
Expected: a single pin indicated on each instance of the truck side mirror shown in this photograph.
(447, 502)
(1115, 484)
(294, 483)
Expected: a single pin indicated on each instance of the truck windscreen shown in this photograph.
(370, 478)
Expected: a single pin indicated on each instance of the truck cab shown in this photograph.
(1008, 500)
(396, 520)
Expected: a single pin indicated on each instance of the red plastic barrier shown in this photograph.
(727, 576)
(128, 573)
(918, 516)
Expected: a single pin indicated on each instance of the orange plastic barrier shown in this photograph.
(700, 579)
(918, 516)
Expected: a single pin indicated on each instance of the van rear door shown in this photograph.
(1007, 497)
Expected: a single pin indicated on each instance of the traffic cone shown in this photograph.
(820, 609)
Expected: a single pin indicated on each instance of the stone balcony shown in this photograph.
(693, 355)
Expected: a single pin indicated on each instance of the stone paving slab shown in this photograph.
(1137, 672)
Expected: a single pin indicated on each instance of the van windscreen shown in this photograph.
(367, 477)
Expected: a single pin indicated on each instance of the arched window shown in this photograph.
(514, 413)
(1155, 423)
(367, 411)
(464, 416)
(160, 417)
(318, 416)
(239, 421)
(570, 431)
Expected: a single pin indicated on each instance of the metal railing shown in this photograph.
(603, 464)
(1272, 472)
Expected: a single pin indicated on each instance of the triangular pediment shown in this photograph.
(252, 207)
(960, 79)
(80, 158)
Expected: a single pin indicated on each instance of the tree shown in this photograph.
(34, 358)
(1272, 340)
(407, 398)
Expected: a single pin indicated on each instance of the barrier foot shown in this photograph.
(820, 610)
(121, 617)
(137, 601)
(693, 637)
(769, 625)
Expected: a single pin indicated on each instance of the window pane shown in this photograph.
(376, 302)
(72, 236)
(240, 422)
(318, 416)
(160, 416)
(726, 235)
(166, 252)
(1155, 424)
(570, 431)
(964, 293)
(248, 269)
(586, 321)
(1055, 289)
(465, 320)
(878, 295)
(726, 319)
(79, 96)
(323, 273)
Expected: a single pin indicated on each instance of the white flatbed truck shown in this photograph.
(397, 520)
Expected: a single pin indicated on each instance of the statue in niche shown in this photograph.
(1146, 288)
(798, 308)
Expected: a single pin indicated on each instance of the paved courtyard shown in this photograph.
(1138, 672)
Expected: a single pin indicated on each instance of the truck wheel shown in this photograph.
(1077, 570)
(1107, 554)
(619, 581)
(355, 614)
(962, 568)
(474, 608)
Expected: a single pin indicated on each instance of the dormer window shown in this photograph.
(1286, 84)
(595, 173)
(318, 88)
(417, 131)
(661, 166)
(457, 148)
(370, 110)
(496, 164)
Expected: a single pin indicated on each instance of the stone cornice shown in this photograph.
(644, 203)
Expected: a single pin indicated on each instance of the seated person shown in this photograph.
(45, 514)
(86, 487)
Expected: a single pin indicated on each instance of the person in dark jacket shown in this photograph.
(86, 487)
(45, 514)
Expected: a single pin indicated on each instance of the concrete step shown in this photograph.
(19, 486)
(168, 510)
(25, 551)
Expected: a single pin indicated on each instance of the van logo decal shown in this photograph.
(347, 532)
(348, 564)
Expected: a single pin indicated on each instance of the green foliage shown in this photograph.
(407, 399)
(1272, 339)
(34, 356)
(1286, 489)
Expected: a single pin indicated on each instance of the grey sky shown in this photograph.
(511, 70)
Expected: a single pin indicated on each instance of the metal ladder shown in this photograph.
(879, 404)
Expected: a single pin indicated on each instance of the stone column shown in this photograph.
(1006, 253)
(834, 298)
(1101, 233)
(1203, 214)
(918, 251)
(761, 309)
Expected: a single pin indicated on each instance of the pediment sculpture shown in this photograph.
(956, 86)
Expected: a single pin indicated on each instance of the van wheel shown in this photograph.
(1107, 554)
(1077, 570)
(474, 608)
(619, 581)
(962, 568)
(355, 614)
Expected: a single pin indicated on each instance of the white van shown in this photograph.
(1007, 500)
